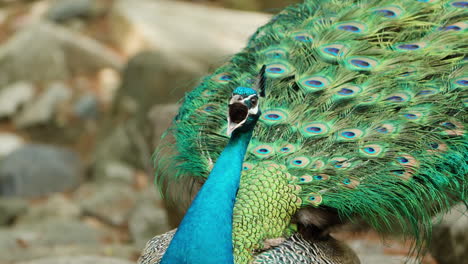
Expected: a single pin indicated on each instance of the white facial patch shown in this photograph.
(254, 110)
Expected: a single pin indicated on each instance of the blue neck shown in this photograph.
(205, 234)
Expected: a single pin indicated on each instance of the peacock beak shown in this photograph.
(238, 113)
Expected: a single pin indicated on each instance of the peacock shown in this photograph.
(364, 117)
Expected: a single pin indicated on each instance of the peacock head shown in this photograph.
(243, 109)
(243, 106)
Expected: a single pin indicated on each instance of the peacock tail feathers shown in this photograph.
(365, 113)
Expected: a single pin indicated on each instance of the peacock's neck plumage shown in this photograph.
(205, 234)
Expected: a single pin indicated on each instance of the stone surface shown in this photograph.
(10, 209)
(64, 10)
(43, 109)
(148, 218)
(86, 107)
(195, 36)
(110, 202)
(54, 237)
(115, 171)
(450, 237)
(79, 260)
(56, 54)
(13, 96)
(9, 143)
(35, 170)
(57, 206)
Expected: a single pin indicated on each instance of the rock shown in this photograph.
(13, 96)
(50, 233)
(43, 109)
(115, 171)
(9, 143)
(194, 36)
(64, 10)
(11, 209)
(79, 260)
(57, 54)
(62, 237)
(110, 202)
(450, 237)
(148, 219)
(57, 206)
(86, 107)
(34, 170)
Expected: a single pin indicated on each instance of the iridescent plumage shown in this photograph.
(365, 115)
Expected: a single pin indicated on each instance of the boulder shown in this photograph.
(194, 36)
(43, 109)
(56, 206)
(13, 96)
(8, 143)
(35, 170)
(57, 54)
(10, 209)
(65, 10)
(109, 202)
(450, 237)
(148, 219)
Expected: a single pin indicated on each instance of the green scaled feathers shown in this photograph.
(365, 112)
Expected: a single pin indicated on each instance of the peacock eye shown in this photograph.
(254, 101)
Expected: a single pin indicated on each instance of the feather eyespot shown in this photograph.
(452, 128)
(437, 147)
(410, 46)
(350, 183)
(302, 37)
(263, 151)
(389, 11)
(415, 115)
(372, 150)
(276, 53)
(354, 27)
(370, 99)
(362, 63)
(321, 177)
(404, 174)
(285, 149)
(348, 91)
(407, 161)
(350, 134)
(463, 81)
(224, 77)
(332, 51)
(427, 91)
(340, 163)
(299, 162)
(317, 164)
(315, 199)
(275, 70)
(459, 26)
(305, 179)
(315, 129)
(314, 83)
(398, 98)
(460, 4)
(208, 108)
(274, 116)
(247, 166)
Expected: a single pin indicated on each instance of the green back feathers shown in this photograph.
(366, 108)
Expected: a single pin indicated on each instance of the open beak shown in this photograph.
(238, 113)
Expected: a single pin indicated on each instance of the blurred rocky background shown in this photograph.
(87, 87)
